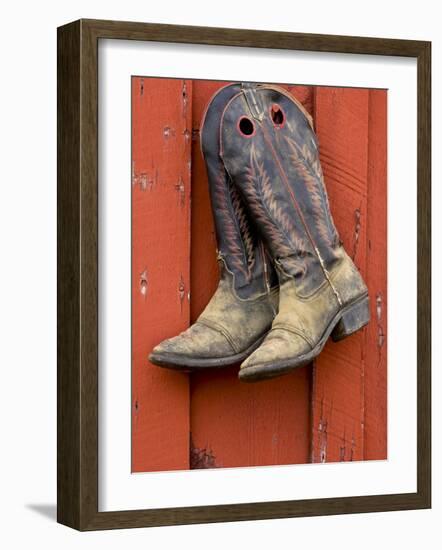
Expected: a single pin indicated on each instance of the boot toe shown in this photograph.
(280, 350)
(197, 342)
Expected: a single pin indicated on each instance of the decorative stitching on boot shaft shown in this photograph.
(231, 230)
(309, 169)
(279, 228)
(248, 240)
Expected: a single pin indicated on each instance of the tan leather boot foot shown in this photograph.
(304, 324)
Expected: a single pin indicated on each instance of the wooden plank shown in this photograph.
(161, 143)
(232, 423)
(376, 335)
(341, 118)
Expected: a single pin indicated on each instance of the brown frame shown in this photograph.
(77, 312)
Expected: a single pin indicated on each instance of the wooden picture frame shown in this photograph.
(77, 225)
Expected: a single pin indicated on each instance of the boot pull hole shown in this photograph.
(246, 126)
(277, 115)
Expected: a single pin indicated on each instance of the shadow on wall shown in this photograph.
(48, 511)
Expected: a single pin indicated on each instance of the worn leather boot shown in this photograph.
(270, 151)
(241, 312)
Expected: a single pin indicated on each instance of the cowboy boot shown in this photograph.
(270, 151)
(242, 309)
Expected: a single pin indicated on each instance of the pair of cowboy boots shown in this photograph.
(286, 282)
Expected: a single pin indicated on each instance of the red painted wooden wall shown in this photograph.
(332, 410)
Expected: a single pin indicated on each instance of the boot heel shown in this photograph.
(352, 320)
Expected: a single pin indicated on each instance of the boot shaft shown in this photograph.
(270, 151)
(239, 246)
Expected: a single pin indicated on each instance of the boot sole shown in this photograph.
(176, 361)
(346, 322)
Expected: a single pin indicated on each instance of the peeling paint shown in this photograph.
(380, 337)
(356, 232)
(143, 283)
(145, 181)
(379, 306)
(141, 86)
(142, 180)
(187, 136)
(185, 99)
(182, 191)
(201, 459)
(342, 448)
(168, 132)
(381, 334)
(353, 447)
(181, 291)
(322, 429)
